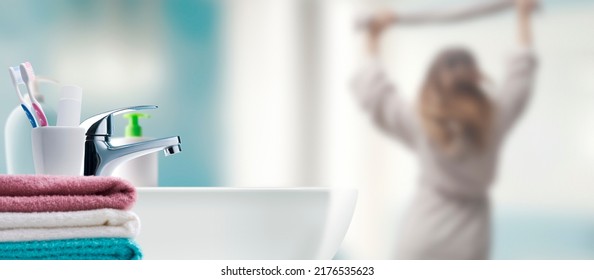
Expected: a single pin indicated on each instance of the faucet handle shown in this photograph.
(99, 125)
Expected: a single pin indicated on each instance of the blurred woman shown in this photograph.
(456, 129)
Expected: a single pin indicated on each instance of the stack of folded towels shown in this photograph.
(58, 217)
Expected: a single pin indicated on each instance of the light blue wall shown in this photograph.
(182, 34)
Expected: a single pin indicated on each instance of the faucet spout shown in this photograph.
(101, 157)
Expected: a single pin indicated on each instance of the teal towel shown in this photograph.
(72, 249)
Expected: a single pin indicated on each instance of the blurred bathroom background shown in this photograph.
(258, 90)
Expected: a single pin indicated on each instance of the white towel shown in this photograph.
(68, 225)
(449, 13)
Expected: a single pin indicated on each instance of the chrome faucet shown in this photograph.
(101, 158)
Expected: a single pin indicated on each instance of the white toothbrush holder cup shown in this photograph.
(58, 150)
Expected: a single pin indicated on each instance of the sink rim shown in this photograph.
(242, 189)
(340, 205)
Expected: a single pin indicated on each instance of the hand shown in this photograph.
(378, 23)
(526, 6)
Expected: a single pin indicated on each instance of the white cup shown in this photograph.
(58, 150)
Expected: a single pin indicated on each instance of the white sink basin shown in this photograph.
(243, 223)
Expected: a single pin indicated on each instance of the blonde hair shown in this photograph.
(455, 111)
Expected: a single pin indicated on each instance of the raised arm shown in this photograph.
(524, 10)
(376, 93)
(377, 26)
(520, 69)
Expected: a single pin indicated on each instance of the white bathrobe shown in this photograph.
(449, 217)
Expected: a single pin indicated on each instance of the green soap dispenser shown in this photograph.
(142, 171)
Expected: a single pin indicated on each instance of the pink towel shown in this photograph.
(42, 193)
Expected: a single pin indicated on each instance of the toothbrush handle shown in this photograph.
(29, 116)
(40, 114)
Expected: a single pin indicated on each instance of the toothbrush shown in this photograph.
(17, 79)
(29, 78)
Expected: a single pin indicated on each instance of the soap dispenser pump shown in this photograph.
(142, 171)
